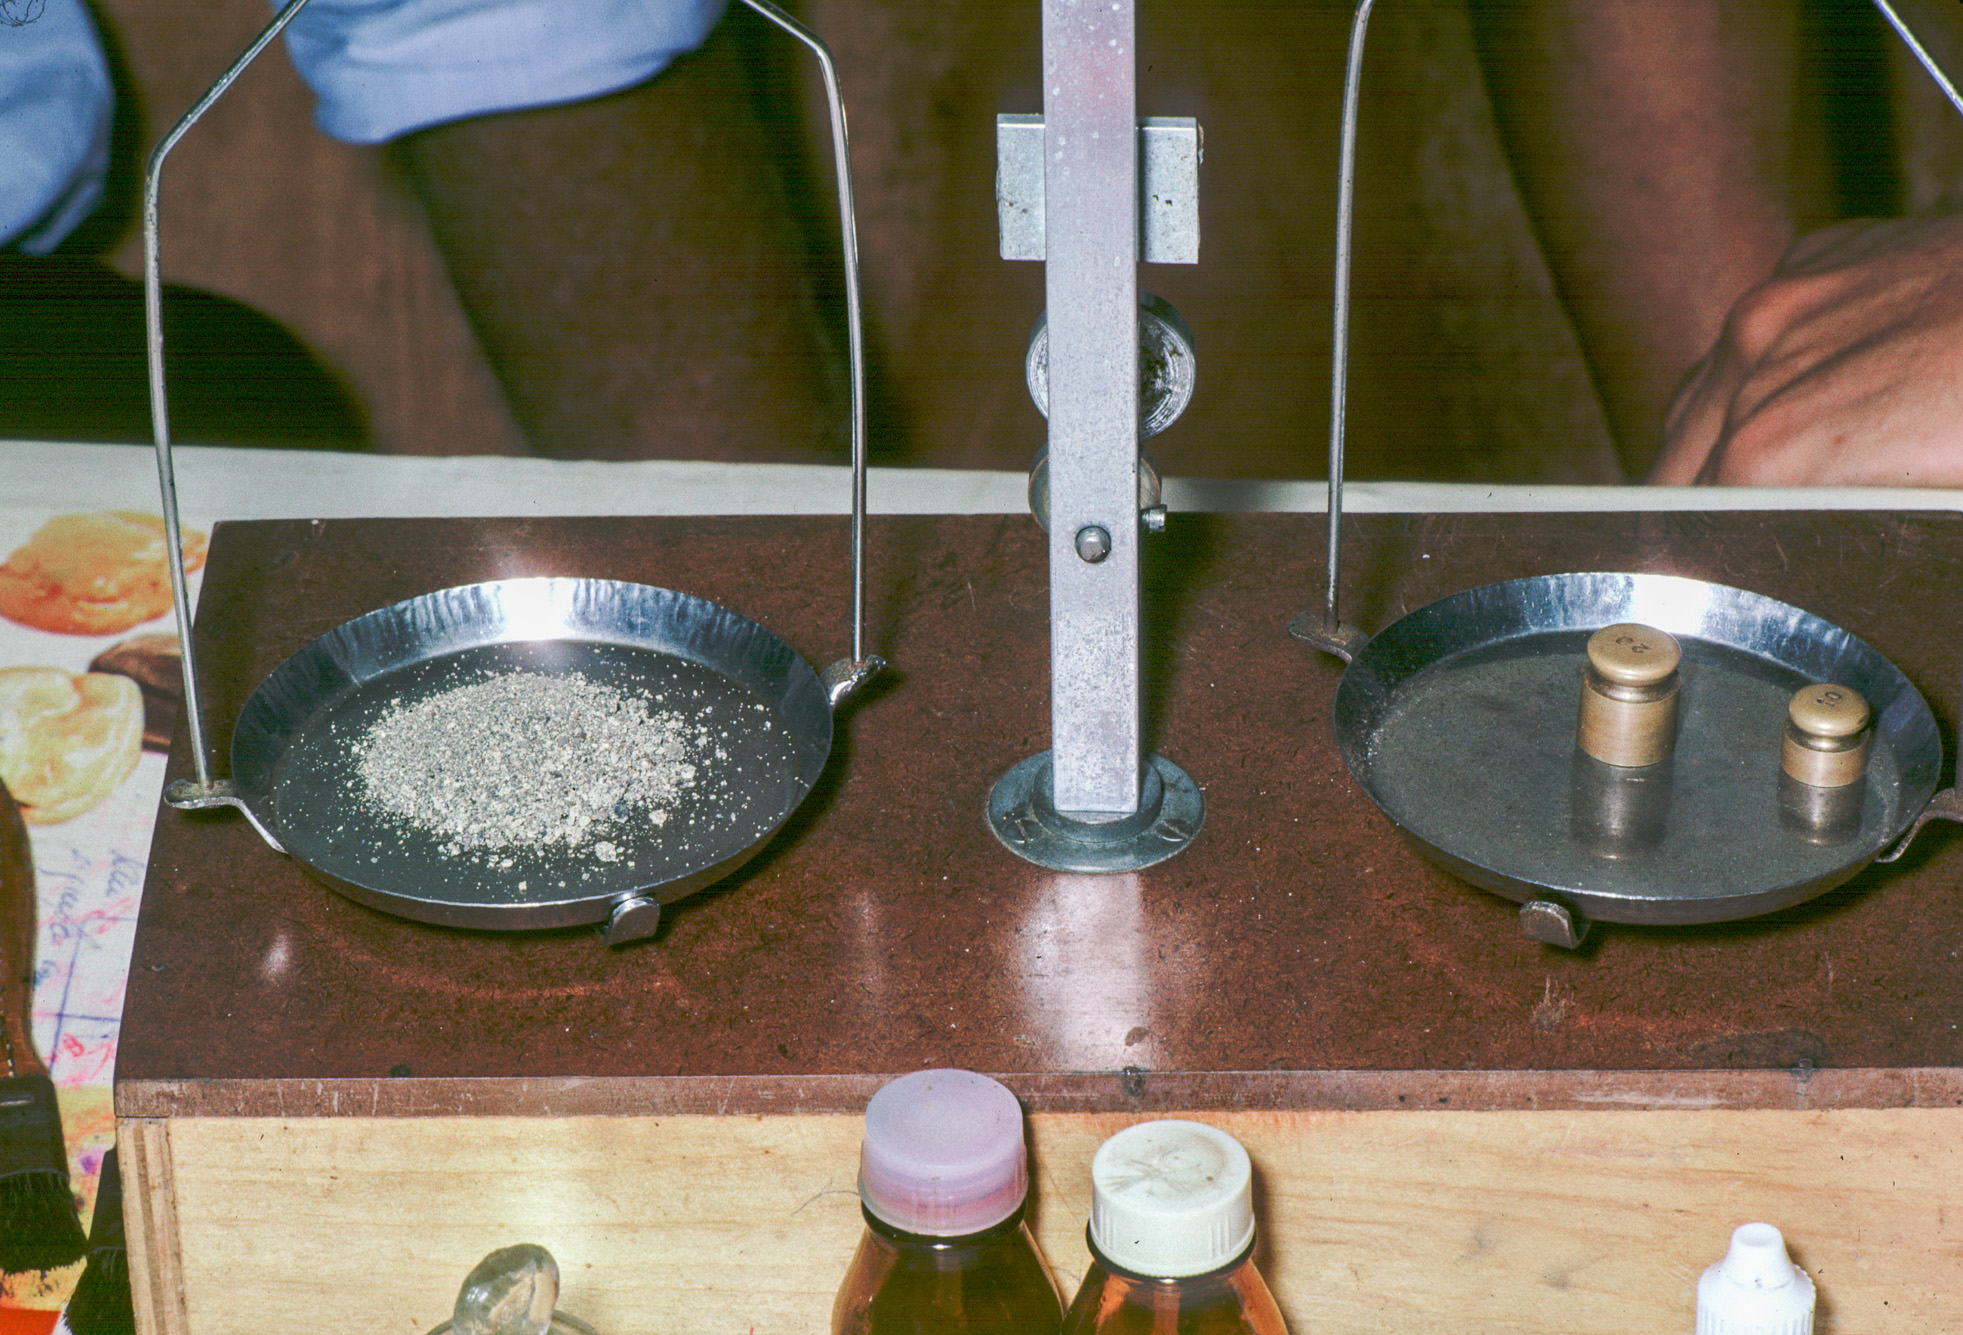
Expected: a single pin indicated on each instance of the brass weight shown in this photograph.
(1629, 696)
(1828, 729)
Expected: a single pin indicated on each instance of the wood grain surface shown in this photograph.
(885, 929)
(1451, 1125)
(1593, 1223)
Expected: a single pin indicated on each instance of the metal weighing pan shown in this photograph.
(766, 715)
(767, 719)
(1459, 719)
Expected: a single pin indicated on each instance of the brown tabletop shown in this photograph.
(1298, 954)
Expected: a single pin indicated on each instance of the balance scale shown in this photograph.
(323, 1106)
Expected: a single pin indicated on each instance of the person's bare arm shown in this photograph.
(1656, 147)
(1845, 369)
(635, 270)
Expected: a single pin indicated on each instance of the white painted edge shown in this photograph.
(226, 483)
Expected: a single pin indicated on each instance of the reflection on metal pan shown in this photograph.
(1459, 721)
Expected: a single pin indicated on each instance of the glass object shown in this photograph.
(512, 1292)
(1172, 1238)
(943, 1178)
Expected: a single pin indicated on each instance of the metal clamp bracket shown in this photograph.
(1168, 188)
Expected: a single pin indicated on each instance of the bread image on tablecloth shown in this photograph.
(66, 739)
(93, 574)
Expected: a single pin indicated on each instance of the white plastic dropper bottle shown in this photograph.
(1756, 1289)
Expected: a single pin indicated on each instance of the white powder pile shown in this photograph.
(527, 759)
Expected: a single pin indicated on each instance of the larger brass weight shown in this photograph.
(1629, 696)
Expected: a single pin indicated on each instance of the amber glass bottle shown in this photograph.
(1172, 1238)
(942, 1181)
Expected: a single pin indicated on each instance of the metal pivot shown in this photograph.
(1094, 788)
(635, 918)
(1553, 923)
(841, 679)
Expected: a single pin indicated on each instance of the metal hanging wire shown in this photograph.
(839, 680)
(1328, 632)
(153, 320)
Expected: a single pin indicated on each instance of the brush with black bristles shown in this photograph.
(101, 1302)
(38, 1225)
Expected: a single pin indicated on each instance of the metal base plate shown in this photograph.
(1022, 813)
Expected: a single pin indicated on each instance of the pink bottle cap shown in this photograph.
(943, 1154)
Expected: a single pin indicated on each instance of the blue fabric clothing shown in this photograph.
(379, 68)
(382, 68)
(55, 102)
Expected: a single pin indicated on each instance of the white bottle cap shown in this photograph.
(1756, 1289)
(1171, 1199)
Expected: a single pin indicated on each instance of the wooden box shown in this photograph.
(329, 1114)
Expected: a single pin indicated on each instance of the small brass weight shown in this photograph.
(1828, 728)
(1629, 696)
(1822, 762)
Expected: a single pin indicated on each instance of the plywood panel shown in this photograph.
(1504, 1221)
(150, 1225)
